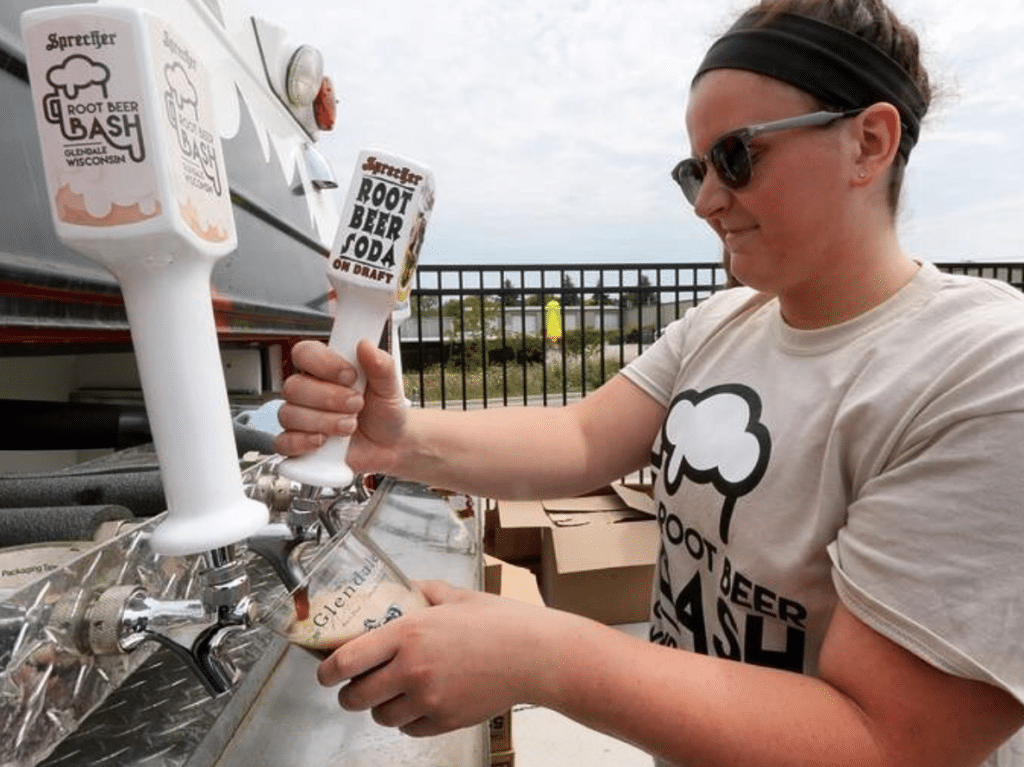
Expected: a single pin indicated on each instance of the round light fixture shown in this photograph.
(304, 75)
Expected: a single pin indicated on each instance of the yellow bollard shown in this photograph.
(554, 321)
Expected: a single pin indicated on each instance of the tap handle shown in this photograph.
(371, 268)
(157, 213)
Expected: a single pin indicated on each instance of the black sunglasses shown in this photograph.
(730, 155)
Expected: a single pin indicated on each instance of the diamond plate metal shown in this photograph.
(62, 708)
(61, 705)
(162, 716)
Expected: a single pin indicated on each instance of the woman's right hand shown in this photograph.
(321, 401)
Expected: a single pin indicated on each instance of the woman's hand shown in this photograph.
(466, 658)
(321, 401)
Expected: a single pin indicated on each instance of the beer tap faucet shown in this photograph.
(157, 213)
(278, 542)
(122, 617)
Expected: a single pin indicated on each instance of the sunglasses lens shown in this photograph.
(689, 174)
(731, 160)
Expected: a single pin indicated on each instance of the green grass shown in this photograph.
(510, 380)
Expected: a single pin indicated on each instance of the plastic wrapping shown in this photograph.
(48, 685)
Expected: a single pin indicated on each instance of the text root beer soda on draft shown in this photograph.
(371, 268)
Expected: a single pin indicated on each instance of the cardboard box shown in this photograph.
(639, 497)
(514, 530)
(511, 582)
(596, 552)
(492, 574)
(501, 732)
(603, 570)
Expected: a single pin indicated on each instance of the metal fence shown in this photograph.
(485, 336)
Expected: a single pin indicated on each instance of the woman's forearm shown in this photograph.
(514, 452)
(699, 711)
(532, 452)
(875, 704)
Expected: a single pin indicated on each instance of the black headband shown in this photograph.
(835, 66)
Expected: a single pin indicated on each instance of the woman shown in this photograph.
(839, 437)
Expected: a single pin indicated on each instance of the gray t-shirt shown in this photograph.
(879, 462)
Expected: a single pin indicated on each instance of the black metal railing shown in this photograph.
(484, 336)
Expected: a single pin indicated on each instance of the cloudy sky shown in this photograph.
(551, 125)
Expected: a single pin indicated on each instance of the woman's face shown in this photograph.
(785, 229)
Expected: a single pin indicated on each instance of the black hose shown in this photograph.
(129, 478)
(41, 425)
(139, 490)
(35, 425)
(23, 526)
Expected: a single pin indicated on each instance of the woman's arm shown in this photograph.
(874, 704)
(516, 452)
(473, 655)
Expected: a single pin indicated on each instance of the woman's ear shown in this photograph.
(878, 136)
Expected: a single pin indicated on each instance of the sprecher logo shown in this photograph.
(715, 437)
(89, 121)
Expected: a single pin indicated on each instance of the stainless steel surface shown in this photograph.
(60, 706)
(47, 683)
(162, 716)
(297, 723)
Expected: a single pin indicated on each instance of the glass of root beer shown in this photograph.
(350, 588)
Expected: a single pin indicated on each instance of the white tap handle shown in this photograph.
(399, 315)
(136, 181)
(170, 313)
(371, 268)
(363, 316)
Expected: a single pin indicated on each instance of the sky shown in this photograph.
(551, 125)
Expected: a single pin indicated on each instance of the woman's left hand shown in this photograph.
(464, 659)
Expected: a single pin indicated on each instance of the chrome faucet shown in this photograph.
(197, 631)
(308, 513)
(278, 542)
(123, 617)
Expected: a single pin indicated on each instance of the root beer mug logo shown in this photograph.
(127, 125)
(198, 146)
(703, 600)
(96, 129)
(196, 167)
(87, 79)
(733, 453)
